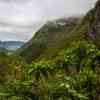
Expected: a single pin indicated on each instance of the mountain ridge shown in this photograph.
(50, 39)
(48, 36)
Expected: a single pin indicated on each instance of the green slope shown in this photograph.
(58, 34)
(49, 39)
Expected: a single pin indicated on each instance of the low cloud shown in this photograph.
(19, 19)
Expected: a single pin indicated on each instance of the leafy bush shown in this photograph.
(72, 75)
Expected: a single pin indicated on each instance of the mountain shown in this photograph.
(49, 39)
(11, 45)
(58, 34)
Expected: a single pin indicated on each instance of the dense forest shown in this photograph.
(61, 62)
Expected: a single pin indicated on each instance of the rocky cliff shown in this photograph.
(94, 30)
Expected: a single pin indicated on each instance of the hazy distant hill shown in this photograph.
(11, 45)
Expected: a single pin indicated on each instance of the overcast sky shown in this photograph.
(20, 18)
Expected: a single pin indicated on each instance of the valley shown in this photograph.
(60, 62)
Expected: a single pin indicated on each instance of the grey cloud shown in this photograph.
(19, 19)
(15, 1)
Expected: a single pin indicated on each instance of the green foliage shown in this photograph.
(42, 68)
(80, 54)
(72, 75)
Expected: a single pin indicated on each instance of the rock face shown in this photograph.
(94, 31)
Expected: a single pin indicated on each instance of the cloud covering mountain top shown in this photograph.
(20, 18)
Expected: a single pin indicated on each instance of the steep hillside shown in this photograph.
(58, 34)
(94, 30)
(49, 39)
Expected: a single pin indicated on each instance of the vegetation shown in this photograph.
(49, 40)
(71, 72)
(72, 75)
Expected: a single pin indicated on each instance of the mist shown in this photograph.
(20, 19)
